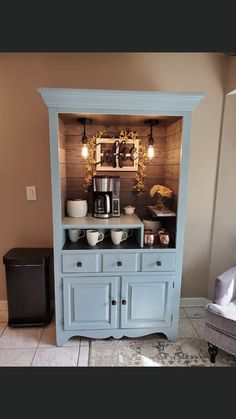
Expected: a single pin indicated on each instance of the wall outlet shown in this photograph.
(31, 193)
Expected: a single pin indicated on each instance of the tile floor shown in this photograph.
(36, 346)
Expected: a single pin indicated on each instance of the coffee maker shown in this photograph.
(106, 196)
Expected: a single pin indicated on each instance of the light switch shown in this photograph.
(31, 193)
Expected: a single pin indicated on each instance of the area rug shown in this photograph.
(188, 352)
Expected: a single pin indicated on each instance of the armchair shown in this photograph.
(220, 319)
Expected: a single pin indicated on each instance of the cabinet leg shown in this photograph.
(61, 340)
(172, 336)
(213, 351)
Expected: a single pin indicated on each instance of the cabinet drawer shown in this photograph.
(85, 262)
(120, 263)
(158, 261)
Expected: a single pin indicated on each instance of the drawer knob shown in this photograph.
(158, 263)
(114, 302)
(119, 263)
(124, 302)
(79, 264)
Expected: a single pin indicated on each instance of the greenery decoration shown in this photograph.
(142, 167)
(90, 163)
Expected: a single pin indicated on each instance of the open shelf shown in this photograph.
(124, 221)
(82, 244)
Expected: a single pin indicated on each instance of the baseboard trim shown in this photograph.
(194, 302)
(3, 305)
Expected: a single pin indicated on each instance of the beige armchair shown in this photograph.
(220, 320)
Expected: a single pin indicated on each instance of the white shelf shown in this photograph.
(124, 221)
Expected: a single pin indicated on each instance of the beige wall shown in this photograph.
(224, 227)
(223, 244)
(24, 139)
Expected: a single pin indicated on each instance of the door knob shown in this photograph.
(79, 264)
(119, 263)
(114, 302)
(124, 302)
(158, 263)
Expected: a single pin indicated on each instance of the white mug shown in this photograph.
(75, 235)
(77, 207)
(94, 236)
(118, 235)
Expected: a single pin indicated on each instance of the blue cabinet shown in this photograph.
(117, 302)
(90, 302)
(146, 301)
(112, 291)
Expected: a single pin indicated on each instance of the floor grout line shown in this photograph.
(184, 311)
(33, 357)
(78, 353)
(88, 354)
(4, 330)
(85, 347)
(193, 317)
(195, 329)
(37, 347)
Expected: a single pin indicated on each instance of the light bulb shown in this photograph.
(150, 151)
(85, 151)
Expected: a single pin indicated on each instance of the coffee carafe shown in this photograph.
(102, 204)
(106, 200)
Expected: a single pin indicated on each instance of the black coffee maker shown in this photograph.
(106, 196)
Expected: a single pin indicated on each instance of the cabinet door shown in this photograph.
(90, 302)
(146, 301)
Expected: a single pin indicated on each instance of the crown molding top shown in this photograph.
(118, 101)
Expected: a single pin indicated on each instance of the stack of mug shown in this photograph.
(94, 236)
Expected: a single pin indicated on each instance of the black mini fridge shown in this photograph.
(29, 280)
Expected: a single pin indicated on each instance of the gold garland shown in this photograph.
(90, 163)
(142, 167)
(125, 135)
(142, 161)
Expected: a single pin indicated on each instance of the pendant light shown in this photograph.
(150, 149)
(85, 150)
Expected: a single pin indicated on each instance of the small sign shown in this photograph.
(117, 154)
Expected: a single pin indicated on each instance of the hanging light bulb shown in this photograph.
(150, 149)
(85, 149)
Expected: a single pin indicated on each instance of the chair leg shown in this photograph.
(213, 351)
